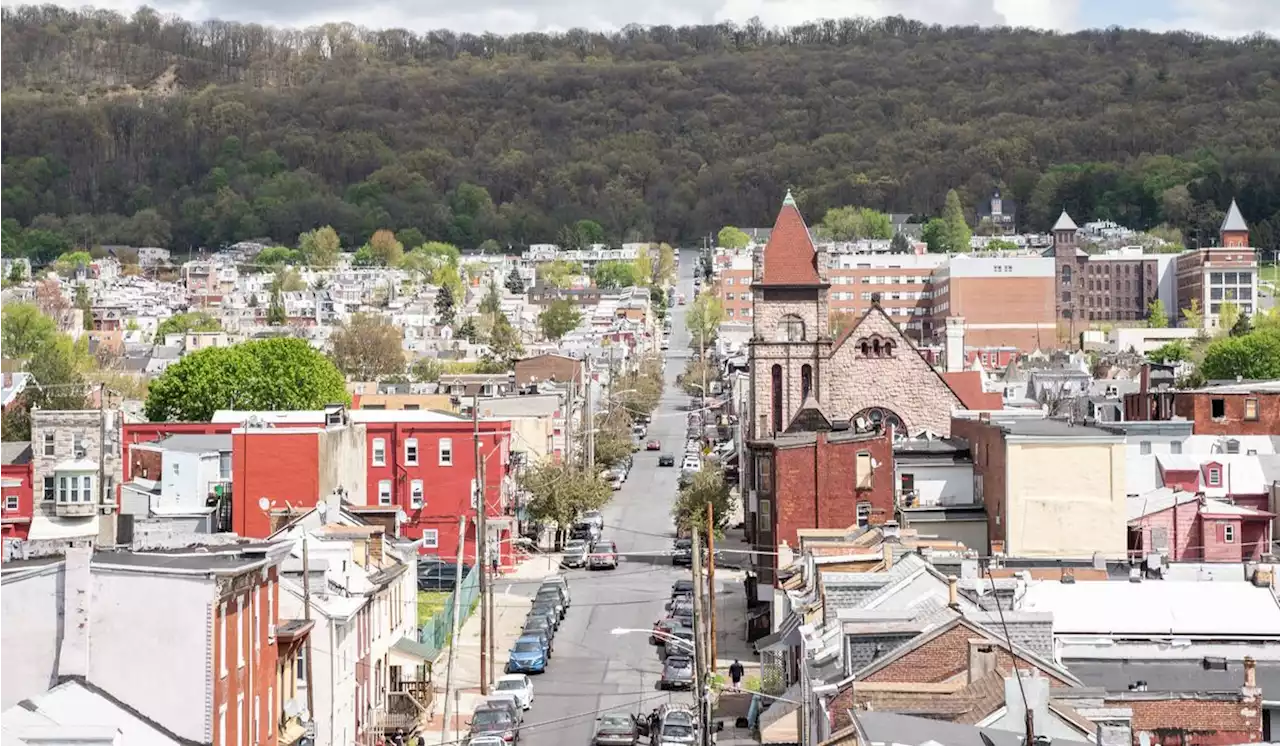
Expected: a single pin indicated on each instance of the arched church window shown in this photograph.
(776, 398)
(806, 381)
(791, 329)
(888, 348)
(878, 418)
(875, 347)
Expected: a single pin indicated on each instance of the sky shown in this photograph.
(1214, 17)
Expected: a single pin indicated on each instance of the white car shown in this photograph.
(575, 553)
(519, 686)
(691, 464)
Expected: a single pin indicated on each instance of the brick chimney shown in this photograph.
(887, 549)
(1250, 676)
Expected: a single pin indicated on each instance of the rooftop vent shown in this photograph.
(1215, 664)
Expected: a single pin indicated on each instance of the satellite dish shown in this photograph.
(263, 503)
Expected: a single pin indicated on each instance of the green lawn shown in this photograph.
(1269, 273)
(430, 603)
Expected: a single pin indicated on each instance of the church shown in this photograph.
(816, 399)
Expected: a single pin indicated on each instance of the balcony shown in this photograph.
(407, 708)
(74, 510)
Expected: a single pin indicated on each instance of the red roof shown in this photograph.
(789, 257)
(967, 385)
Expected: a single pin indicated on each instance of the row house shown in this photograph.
(75, 462)
(15, 490)
(1231, 409)
(1180, 526)
(182, 640)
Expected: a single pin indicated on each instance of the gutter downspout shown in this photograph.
(333, 685)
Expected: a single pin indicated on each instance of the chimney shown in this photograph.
(890, 530)
(984, 417)
(77, 601)
(954, 346)
(953, 592)
(887, 549)
(375, 549)
(982, 659)
(1250, 674)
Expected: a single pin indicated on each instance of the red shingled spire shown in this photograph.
(789, 257)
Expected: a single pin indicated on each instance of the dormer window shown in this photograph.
(1215, 476)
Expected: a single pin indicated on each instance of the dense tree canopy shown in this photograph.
(151, 129)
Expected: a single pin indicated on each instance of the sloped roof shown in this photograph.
(789, 257)
(1234, 221)
(810, 417)
(1065, 223)
(967, 385)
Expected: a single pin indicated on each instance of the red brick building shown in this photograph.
(15, 485)
(1246, 408)
(815, 477)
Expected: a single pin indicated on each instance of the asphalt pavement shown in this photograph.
(594, 671)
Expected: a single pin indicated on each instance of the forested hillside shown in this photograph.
(155, 130)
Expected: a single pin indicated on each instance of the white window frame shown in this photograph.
(50, 445)
(240, 625)
(257, 625)
(222, 725)
(411, 451)
(255, 718)
(445, 451)
(417, 497)
(1215, 477)
(1228, 533)
(11, 502)
(223, 654)
(384, 492)
(430, 538)
(379, 455)
(240, 720)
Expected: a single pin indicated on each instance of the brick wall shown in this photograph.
(990, 305)
(547, 368)
(942, 658)
(986, 443)
(1172, 720)
(146, 464)
(1198, 407)
(863, 649)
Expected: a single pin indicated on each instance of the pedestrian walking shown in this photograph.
(735, 673)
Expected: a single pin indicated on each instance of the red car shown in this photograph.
(653, 445)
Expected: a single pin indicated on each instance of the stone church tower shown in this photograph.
(790, 340)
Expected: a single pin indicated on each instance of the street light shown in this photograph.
(679, 641)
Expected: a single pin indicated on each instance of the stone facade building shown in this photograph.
(75, 470)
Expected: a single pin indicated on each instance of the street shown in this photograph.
(592, 670)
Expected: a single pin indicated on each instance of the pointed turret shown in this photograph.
(790, 258)
(1234, 231)
(1065, 223)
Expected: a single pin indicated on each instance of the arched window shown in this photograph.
(875, 347)
(791, 329)
(864, 347)
(876, 418)
(888, 348)
(776, 401)
(806, 381)
(1066, 275)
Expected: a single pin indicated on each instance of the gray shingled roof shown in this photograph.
(1234, 221)
(16, 452)
(1065, 223)
(1185, 676)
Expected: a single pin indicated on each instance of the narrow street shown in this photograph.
(593, 670)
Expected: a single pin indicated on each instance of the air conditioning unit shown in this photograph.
(271, 634)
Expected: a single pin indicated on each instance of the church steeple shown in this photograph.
(1234, 231)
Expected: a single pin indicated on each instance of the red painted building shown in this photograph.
(417, 461)
(816, 477)
(15, 487)
(1186, 527)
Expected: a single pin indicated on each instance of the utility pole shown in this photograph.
(699, 647)
(711, 588)
(457, 622)
(568, 427)
(590, 456)
(306, 615)
(102, 447)
(482, 544)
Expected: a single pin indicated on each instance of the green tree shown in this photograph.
(426, 370)
(704, 318)
(1000, 244)
(444, 305)
(491, 303)
(387, 251)
(664, 266)
(320, 247)
(731, 237)
(489, 246)
(1193, 316)
(1170, 352)
(270, 374)
(1254, 356)
(958, 232)
(446, 276)
(616, 274)
(410, 237)
(43, 246)
(368, 347)
(276, 314)
(515, 284)
(274, 256)
(1157, 316)
(839, 321)
(853, 223)
(184, 323)
(1242, 326)
(364, 257)
(1228, 315)
(559, 493)
(72, 261)
(707, 487)
(613, 440)
(558, 273)
(504, 343)
(899, 244)
(59, 366)
(935, 236)
(696, 371)
(23, 330)
(559, 318)
(469, 330)
(589, 232)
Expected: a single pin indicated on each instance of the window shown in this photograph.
(75, 489)
(301, 673)
(764, 474)
(806, 381)
(862, 471)
(253, 720)
(222, 643)
(379, 452)
(1144, 448)
(77, 445)
(430, 538)
(11, 502)
(49, 491)
(241, 618)
(1228, 533)
(1215, 476)
(776, 395)
(864, 513)
(1251, 408)
(1218, 409)
(446, 451)
(49, 447)
(411, 451)
(791, 329)
(415, 493)
(222, 725)
(240, 720)
(384, 492)
(257, 625)
(765, 516)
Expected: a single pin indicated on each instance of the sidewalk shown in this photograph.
(731, 641)
(510, 610)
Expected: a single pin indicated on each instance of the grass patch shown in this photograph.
(430, 603)
(1269, 273)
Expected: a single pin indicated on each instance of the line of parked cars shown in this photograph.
(532, 651)
(674, 636)
(586, 547)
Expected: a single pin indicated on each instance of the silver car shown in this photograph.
(575, 553)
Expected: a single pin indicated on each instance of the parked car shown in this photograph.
(552, 597)
(615, 482)
(677, 673)
(587, 532)
(663, 628)
(518, 685)
(604, 556)
(506, 702)
(594, 517)
(542, 633)
(682, 552)
(486, 741)
(616, 729)
(561, 591)
(494, 722)
(676, 727)
(680, 642)
(559, 582)
(692, 465)
(653, 445)
(540, 625)
(527, 656)
(666, 459)
(545, 611)
(575, 553)
(440, 576)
